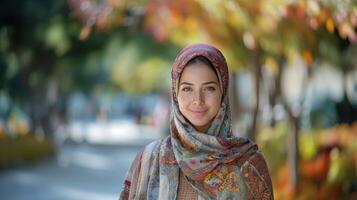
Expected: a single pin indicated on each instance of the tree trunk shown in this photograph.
(275, 93)
(235, 104)
(293, 150)
(256, 67)
(293, 139)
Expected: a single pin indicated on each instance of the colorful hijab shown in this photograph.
(217, 164)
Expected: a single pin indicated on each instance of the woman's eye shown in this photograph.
(210, 88)
(186, 89)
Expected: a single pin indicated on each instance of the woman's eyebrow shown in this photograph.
(186, 83)
(210, 82)
(205, 83)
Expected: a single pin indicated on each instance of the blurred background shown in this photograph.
(84, 84)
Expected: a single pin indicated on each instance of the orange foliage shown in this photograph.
(329, 192)
(317, 168)
(319, 178)
(307, 57)
(282, 183)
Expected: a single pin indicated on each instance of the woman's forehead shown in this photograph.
(210, 53)
(198, 73)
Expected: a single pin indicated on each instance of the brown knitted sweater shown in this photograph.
(185, 190)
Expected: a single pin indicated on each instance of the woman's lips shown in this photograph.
(199, 113)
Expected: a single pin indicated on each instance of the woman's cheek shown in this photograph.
(211, 96)
(213, 99)
(185, 98)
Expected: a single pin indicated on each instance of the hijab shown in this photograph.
(211, 161)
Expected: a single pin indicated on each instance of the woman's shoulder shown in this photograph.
(152, 148)
(256, 172)
(146, 156)
(141, 168)
(154, 145)
(254, 159)
(257, 161)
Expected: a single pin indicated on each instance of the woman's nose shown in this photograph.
(198, 98)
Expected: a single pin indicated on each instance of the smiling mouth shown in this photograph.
(199, 112)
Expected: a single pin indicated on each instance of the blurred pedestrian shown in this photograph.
(201, 158)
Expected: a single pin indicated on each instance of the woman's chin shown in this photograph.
(201, 127)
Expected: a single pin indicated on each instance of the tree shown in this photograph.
(28, 53)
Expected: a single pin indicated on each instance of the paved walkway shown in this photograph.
(80, 171)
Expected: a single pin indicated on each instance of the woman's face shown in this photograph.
(199, 95)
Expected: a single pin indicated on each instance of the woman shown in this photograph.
(201, 158)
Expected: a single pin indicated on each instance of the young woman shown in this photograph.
(201, 158)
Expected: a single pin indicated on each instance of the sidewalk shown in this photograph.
(115, 132)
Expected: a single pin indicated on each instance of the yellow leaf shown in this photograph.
(271, 65)
(330, 26)
(307, 56)
(85, 32)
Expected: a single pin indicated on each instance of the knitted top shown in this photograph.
(185, 189)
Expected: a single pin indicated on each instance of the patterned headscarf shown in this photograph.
(211, 162)
(207, 159)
